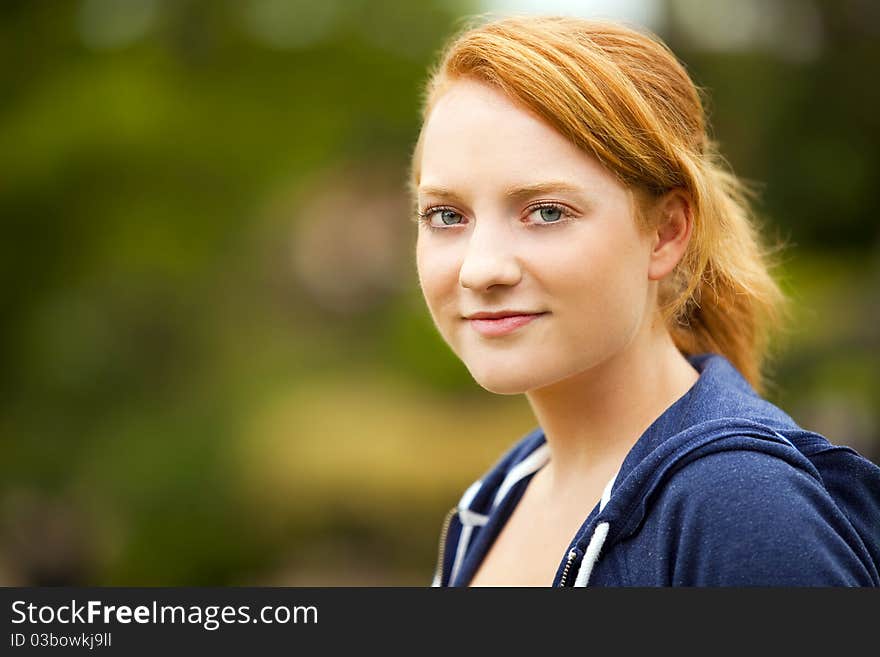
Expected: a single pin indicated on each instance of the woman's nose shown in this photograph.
(489, 259)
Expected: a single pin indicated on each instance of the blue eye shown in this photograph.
(550, 213)
(448, 217)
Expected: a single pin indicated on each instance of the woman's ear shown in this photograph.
(674, 224)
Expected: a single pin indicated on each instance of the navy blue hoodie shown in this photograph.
(723, 489)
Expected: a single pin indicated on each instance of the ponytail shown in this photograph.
(722, 297)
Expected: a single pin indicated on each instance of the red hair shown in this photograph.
(622, 96)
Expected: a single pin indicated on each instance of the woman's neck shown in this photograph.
(593, 419)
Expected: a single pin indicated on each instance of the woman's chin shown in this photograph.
(509, 379)
(503, 383)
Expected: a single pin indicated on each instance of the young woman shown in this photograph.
(581, 243)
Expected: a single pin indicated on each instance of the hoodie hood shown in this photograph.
(720, 412)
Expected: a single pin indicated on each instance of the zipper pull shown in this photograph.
(572, 555)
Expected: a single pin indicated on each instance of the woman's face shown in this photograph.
(518, 219)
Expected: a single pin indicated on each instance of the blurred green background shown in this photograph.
(217, 368)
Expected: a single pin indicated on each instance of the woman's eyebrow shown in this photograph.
(543, 188)
(512, 192)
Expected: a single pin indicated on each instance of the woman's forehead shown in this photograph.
(469, 103)
(478, 141)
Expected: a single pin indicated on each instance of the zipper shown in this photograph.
(572, 555)
(441, 551)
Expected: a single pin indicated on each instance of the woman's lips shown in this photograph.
(503, 325)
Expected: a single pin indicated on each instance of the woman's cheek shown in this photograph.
(438, 277)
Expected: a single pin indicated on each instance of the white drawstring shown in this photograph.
(533, 462)
(597, 540)
(471, 519)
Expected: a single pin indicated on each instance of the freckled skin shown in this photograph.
(589, 271)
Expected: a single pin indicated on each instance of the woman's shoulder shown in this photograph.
(740, 481)
(742, 516)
